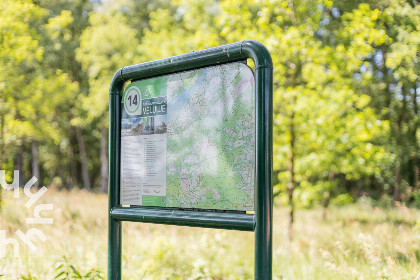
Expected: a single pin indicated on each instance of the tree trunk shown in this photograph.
(291, 184)
(61, 170)
(19, 164)
(70, 155)
(415, 142)
(400, 146)
(326, 197)
(19, 154)
(83, 159)
(104, 160)
(387, 80)
(35, 164)
(325, 204)
(359, 188)
(2, 151)
(395, 127)
(397, 180)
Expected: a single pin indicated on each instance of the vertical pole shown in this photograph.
(114, 231)
(264, 192)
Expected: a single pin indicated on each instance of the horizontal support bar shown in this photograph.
(221, 220)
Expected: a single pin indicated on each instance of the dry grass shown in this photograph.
(356, 242)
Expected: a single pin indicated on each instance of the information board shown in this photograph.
(188, 140)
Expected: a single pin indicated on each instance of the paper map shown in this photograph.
(188, 140)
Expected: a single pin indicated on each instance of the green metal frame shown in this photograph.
(261, 221)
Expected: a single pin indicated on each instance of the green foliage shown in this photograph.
(342, 199)
(28, 277)
(66, 271)
(20, 55)
(317, 56)
(108, 44)
(346, 84)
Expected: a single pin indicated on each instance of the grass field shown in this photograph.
(357, 241)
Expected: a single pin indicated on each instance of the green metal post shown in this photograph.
(264, 158)
(264, 193)
(114, 230)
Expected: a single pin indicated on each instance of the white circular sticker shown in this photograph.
(132, 101)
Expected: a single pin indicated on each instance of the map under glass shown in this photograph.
(188, 140)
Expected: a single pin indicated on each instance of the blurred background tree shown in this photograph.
(346, 87)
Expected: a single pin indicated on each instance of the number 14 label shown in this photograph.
(133, 102)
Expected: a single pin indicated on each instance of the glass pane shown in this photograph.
(188, 140)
